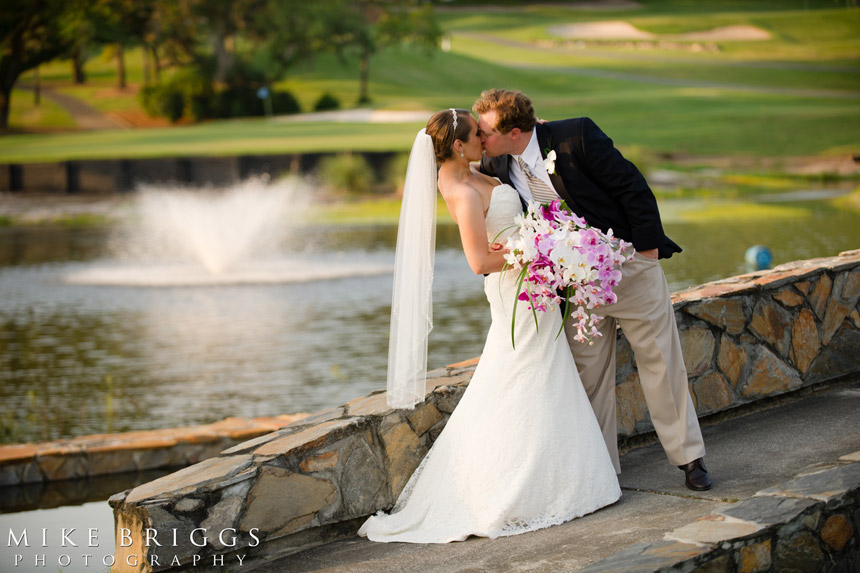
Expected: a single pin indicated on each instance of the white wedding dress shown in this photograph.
(522, 450)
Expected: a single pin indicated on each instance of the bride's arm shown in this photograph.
(468, 211)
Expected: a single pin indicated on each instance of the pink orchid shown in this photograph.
(583, 273)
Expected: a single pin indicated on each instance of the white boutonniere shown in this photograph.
(549, 162)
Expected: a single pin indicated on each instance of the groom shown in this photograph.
(609, 192)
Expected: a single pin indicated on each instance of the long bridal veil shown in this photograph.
(411, 300)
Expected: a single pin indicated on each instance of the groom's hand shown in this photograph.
(650, 253)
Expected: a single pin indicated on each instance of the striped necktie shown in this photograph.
(541, 192)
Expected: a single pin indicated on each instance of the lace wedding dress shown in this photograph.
(522, 450)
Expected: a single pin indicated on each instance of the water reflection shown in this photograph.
(716, 249)
(89, 526)
(78, 359)
(33, 245)
(71, 492)
(79, 504)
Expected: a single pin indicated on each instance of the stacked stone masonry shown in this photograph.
(744, 338)
(810, 523)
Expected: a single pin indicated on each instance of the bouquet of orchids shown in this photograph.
(561, 258)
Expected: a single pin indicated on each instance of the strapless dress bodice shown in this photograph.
(504, 206)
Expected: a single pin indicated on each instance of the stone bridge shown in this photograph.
(745, 338)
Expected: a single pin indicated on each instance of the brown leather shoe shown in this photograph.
(696, 476)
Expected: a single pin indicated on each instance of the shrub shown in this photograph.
(191, 92)
(243, 102)
(239, 102)
(395, 172)
(285, 102)
(148, 96)
(185, 91)
(326, 102)
(173, 104)
(200, 106)
(197, 91)
(346, 174)
(163, 100)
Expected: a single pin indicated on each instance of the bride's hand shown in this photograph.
(498, 248)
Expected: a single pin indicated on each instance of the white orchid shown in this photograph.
(559, 256)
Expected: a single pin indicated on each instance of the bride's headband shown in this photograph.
(454, 113)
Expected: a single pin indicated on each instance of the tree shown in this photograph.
(121, 23)
(32, 32)
(224, 50)
(370, 25)
(80, 31)
(287, 32)
(216, 38)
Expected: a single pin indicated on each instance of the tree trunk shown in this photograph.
(223, 57)
(37, 87)
(146, 65)
(120, 66)
(363, 76)
(5, 99)
(78, 65)
(156, 64)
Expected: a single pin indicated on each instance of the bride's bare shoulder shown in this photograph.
(483, 177)
(458, 191)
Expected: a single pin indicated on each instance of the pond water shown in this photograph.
(90, 343)
(77, 506)
(88, 546)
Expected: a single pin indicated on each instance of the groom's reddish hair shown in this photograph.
(513, 109)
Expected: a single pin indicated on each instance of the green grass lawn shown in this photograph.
(239, 137)
(100, 90)
(47, 115)
(373, 211)
(779, 97)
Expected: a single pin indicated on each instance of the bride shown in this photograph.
(523, 449)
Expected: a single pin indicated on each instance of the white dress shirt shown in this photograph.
(533, 158)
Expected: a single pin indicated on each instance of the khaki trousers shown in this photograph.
(644, 311)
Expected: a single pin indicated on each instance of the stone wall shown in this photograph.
(745, 338)
(810, 523)
(759, 335)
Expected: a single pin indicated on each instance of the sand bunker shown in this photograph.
(618, 30)
(727, 34)
(605, 5)
(600, 31)
(587, 6)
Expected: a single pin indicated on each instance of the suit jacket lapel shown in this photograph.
(544, 142)
(503, 172)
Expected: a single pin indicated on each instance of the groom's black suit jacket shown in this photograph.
(597, 183)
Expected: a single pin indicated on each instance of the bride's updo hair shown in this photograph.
(440, 128)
